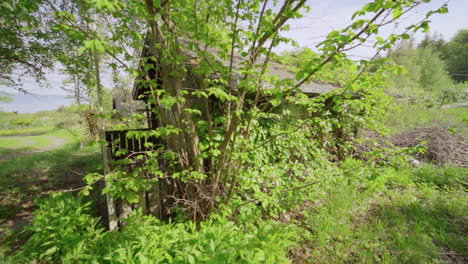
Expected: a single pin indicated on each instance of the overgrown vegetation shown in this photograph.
(35, 160)
(422, 116)
(359, 213)
(259, 169)
(81, 240)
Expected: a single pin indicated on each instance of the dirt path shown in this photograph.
(56, 143)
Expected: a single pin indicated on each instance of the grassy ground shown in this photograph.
(399, 216)
(21, 134)
(28, 142)
(36, 159)
(24, 130)
(25, 179)
(14, 123)
(393, 215)
(410, 117)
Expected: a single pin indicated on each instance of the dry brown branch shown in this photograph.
(443, 146)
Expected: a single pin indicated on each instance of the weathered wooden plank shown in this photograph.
(153, 197)
(118, 140)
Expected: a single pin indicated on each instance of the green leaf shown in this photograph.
(49, 251)
(444, 9)
(397, 12)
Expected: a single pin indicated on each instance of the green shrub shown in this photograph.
(64, 231)
(61, 229)
(218, 240)
(444, 177)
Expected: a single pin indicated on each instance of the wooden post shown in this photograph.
(112, 214)
(113, 223)
(154, 200)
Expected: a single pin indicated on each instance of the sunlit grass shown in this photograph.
(415, 217)
(27, 178)
(29, 142)
(14, 142)
(409, 117)
(22, 131)
(49, 165)
(13, 123)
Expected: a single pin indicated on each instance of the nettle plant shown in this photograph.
(225, 122)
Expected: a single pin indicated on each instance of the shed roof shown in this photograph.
(312, 88)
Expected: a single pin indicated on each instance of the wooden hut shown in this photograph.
(140, 94)
(120, 140)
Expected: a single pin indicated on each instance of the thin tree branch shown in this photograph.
(338, 49)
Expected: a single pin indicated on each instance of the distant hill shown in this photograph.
(31, 103)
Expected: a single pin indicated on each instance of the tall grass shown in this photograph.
(372, 215)
(410, 216)
(409, 117)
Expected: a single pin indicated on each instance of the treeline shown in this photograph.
(433, 71)
(454, 53)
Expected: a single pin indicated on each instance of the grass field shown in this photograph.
(28, 142)
(411, 117)
(26, 178)
(401, 216)
(13, 123)
(43, 156)
(27, 133)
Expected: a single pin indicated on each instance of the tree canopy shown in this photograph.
(455, 52)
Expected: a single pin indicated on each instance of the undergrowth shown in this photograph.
(63, 230)
(24, 179)
(390, 215)
(295, 202)
(362, 214)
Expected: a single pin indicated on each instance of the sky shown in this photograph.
(325, 16)
(32, 103)
(329, 15)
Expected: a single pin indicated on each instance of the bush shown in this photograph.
(61, 229)
(64, 231)
(443, 177)
(217, 240)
